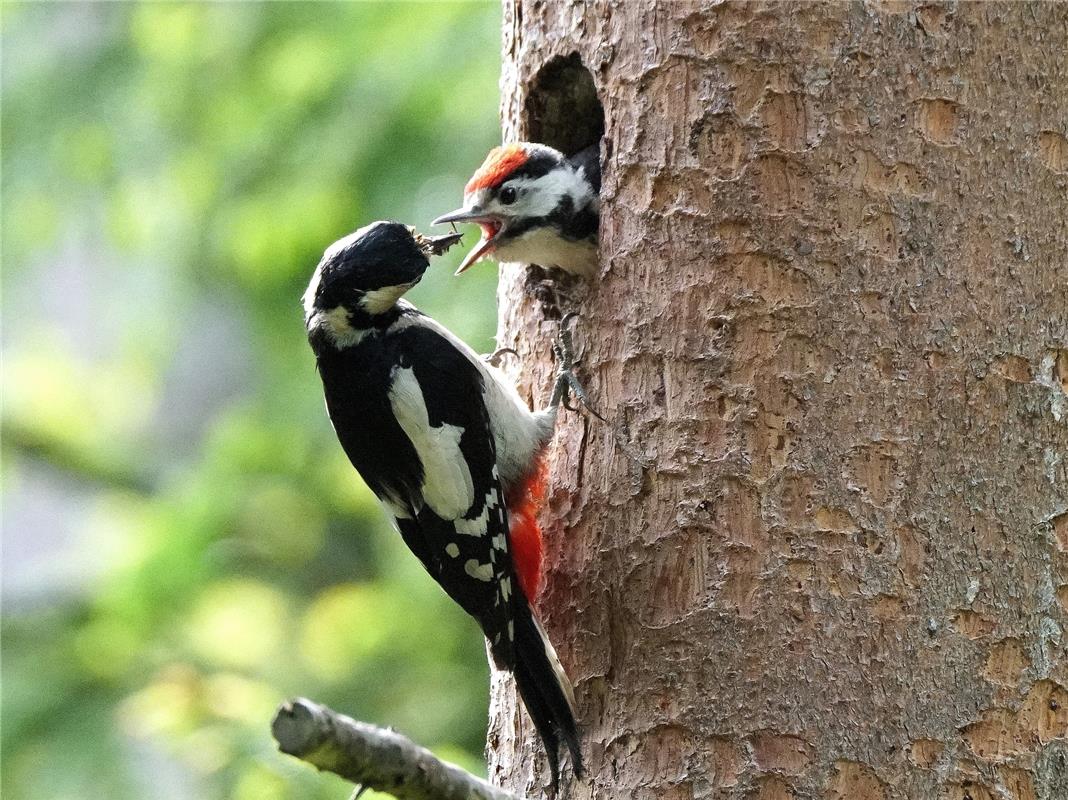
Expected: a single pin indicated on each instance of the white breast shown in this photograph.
(544, 247)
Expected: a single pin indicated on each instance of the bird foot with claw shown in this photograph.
(566, 382)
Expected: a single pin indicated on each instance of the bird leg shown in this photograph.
(566, 381)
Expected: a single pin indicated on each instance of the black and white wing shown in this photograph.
(455, 519)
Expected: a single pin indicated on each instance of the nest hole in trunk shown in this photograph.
(562, 108)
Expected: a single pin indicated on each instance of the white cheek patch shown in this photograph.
(379, 301)
(539, 196)
(341, 331)
(335, 321)
(447, 485)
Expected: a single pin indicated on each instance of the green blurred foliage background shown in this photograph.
(184, 543)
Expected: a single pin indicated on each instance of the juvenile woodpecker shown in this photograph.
(536, 206)
(447, 445)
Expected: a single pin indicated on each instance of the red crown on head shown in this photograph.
(499, 164)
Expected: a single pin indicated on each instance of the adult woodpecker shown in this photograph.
(534, 205)
(449, 448)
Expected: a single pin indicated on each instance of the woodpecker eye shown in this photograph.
(507, 195)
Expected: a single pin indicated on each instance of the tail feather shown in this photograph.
(546, 690)
(542, 716)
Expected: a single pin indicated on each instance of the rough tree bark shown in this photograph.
(821, 548)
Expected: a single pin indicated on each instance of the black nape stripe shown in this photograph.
(572, 225)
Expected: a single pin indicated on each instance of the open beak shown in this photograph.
(491, 229)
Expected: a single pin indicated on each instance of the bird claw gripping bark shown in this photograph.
(566, 382)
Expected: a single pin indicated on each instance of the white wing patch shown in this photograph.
(482, 572)
(517, 433)
(447, 485)
(476, 526)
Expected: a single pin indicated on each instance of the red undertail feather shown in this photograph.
(524, 501)
(499, 164)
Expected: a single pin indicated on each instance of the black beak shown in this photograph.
(436, 245)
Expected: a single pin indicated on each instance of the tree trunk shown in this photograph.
(820, 549)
